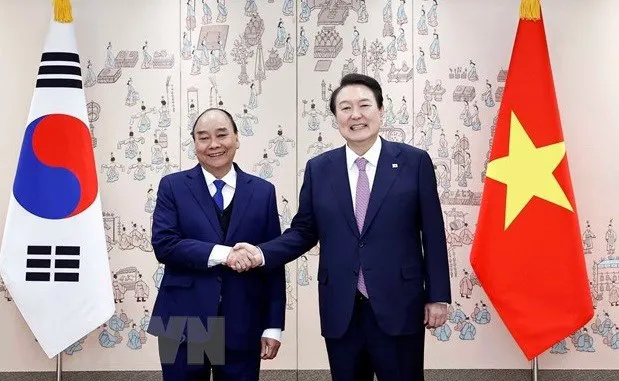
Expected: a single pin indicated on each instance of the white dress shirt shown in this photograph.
(220, 253)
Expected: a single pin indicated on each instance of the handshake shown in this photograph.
(243, 257)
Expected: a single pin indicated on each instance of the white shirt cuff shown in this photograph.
(218, 255)
(262, 254)
(273, 333)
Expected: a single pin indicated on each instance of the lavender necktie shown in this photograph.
(361, 206)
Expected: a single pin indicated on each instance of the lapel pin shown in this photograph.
(394, 165)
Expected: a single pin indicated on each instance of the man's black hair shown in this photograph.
(193, 129)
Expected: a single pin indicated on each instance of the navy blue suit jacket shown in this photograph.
(402, 248)
(185, 230)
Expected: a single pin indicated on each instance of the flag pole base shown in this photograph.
(534, 369)
(59, 367)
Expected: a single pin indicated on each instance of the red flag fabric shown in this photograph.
(527, 251)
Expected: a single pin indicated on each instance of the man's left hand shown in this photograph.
(269, 348)
(435, 315)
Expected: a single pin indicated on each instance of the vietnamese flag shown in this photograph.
(527, 251)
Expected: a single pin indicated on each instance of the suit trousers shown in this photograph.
(239, 365)
(365, 350)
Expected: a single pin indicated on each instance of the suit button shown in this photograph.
(219, 279)
(361, 244)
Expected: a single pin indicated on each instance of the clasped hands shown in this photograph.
(243, 257)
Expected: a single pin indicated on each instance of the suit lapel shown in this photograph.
(197, 185)
(386, 174)
(341, 188)
(242, 197)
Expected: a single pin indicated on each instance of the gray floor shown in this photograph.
(319, 375)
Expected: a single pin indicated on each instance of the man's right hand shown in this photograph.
(244, 257)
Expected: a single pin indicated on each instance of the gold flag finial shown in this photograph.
(62, 11)
(530, 10)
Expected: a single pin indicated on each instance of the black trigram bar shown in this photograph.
(37, 277)
(60, 69)
(66, 277)
(67, 264)
(39, 250)
(67, 250)
(60, 56)
(38, 263)
(59, 82)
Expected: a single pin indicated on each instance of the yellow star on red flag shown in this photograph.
(528, 171)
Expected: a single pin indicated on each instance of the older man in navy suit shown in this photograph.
(383, 272)
(200, 214)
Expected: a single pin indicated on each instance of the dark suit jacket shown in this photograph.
(185, 230)
(402, 248)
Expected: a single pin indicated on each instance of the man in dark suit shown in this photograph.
(383, 272)
(200, 213)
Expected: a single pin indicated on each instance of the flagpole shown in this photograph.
(534, 369)
(62, 13)
(59, 367)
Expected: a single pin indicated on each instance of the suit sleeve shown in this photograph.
(302, 234)
(169, 246)
(275, 278)
(438, 288)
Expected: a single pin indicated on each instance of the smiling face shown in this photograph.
(358, 117)
(216, 142)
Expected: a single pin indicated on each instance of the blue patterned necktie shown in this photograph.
(219, 197)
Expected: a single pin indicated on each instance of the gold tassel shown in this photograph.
(530, 10)
(62, 11)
